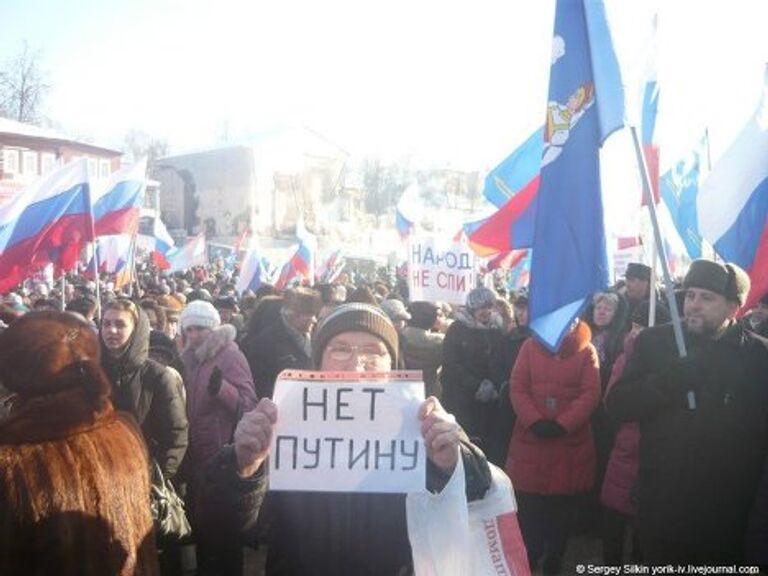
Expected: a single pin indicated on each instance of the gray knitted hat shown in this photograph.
(354, 317)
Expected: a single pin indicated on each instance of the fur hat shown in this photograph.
(303, 300)
(354, 317)
(395, 309)
(726, 279)
(200, 313)
(480, 297)
(423, 314)
(639, 271)
(48, 352)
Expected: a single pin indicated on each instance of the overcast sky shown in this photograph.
(449, 83)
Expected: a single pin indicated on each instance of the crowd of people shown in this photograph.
(613, 434)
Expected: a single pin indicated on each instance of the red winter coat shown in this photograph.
(564, 387)
(623, 464)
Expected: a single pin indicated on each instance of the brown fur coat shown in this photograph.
(74, 490)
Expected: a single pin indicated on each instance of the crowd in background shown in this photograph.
(594, 436)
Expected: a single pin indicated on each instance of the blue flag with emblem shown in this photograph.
(586, 104)
(679, 190)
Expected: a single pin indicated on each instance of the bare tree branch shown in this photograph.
(23, 87)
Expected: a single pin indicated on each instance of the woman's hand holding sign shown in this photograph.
(441, 434)
(253, 436)
(255, 430)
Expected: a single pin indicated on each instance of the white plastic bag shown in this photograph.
(452, 538)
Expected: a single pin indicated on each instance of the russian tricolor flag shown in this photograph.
(255, 271)
(302, 264)
(117, 204)
(299, 267)
(47, 223)
(732, 204)
(154, 238)
(404, 225)
(250, 272)
(331, 268)
(193, 253)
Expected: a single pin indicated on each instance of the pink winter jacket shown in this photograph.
(564, 387)
(212, 419)
(621, 472)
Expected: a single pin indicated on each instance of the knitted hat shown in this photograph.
(480, 297)
(395, 309)
(726, 279)
(199, 313)
(639, 271)
(354, 317)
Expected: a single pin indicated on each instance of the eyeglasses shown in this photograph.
(369, 356)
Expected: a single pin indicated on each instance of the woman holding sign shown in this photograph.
(344, 533)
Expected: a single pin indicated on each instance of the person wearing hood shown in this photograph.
(551, 458)
(219, 390)
(469, 391)
(142, 387)
(607, 317)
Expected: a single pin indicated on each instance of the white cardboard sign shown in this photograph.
(348, 432)
(440, 271)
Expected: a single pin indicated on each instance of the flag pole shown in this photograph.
(652, 300)
(96, 278)
(676, 322)
(63, 291)
(134, 274)
(89, 200)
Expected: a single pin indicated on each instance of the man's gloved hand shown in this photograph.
(486, 392)
(214, 382)
(546, 429)
(681, 376)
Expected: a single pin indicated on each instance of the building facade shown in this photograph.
(29, 152)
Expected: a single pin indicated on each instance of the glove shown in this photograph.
(681, 376)
(547, 429)
(486, 392)
(214, 382)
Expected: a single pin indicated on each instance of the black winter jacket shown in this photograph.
(704, 435)
(333, 534)
(468, 353)
(153, 394)
(270, 352)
